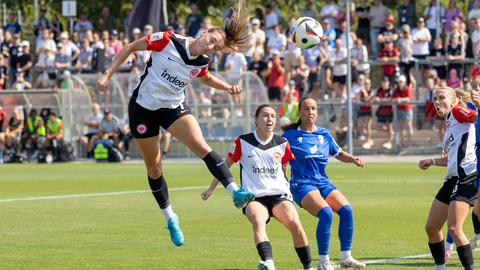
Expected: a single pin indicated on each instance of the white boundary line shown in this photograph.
(69, 196)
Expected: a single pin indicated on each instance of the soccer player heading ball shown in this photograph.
(159, 101)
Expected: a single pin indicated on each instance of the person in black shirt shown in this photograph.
(24, 60)
(388, 33)
(13, 56)
(259, 66)
(406, 14)
(363, 29)
(438, 57)
(454, 54)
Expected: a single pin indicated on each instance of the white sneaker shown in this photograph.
(350, 262)
(366, 145)
(475, 243)
(327, 265)
(387, 145)
(266, 265)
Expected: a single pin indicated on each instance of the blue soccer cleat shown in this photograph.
(242, 197)
(176, 235)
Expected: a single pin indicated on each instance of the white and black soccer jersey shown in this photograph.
(261, 164)
(168, 72)
(459, 142)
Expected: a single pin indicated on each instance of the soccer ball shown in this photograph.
(307, 32)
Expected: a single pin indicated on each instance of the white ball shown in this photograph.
(307, 32)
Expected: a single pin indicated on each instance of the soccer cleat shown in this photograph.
(327, 265)
(350, 262)
(266, 265)
(448, 253)
(475, 243)
(242, 197)
(176, 235)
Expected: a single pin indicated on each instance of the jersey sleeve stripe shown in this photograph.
(158, 41)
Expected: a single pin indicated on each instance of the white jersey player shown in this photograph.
(263, 158)
(159, 101)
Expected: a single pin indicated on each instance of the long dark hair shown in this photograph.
(295, 125)
(235, 29)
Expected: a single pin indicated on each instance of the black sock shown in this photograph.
(265, 250)
(476, 223)
(438, 252)
(160, 191)
(305, 257)
(218, 168)
(466, 257)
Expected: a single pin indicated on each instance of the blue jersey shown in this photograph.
(311, 151)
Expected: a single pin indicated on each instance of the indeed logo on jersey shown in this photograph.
(449, 141)
(173, 80)
(265, 170)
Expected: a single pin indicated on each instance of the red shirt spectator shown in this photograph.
(403, 93)
(389, 53)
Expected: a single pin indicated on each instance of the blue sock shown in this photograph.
(323, 230)
(345, 227)
(449, 239)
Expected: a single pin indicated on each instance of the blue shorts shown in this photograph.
(299, 190)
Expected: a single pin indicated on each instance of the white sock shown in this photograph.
(449, 246)
(346, 254)
(441, 267)
(168, 212)
(324, 258)
(477, 236)
(232, 187)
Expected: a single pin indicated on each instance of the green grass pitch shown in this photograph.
(390, 203)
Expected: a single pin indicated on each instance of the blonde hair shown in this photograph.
(459, 94)
(235, 29)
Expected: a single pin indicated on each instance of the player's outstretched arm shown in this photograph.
(137, 45)
(207, 193)
(426, 163)
(213, 81)
(347, 158)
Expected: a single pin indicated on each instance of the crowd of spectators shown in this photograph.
(383, 42)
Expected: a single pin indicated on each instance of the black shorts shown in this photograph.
(145, 123)
(445, 192)
(364, 114)
(270, 201)
(90, 135)
(385, 119)
(465, 189)
(274, 93)
(340, 79)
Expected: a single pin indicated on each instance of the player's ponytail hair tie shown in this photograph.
(235, 29)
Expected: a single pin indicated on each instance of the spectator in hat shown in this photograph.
(70, 48)
(258, 37)
(136, 33)
(12, 25)
(115, 43)
(403, 93)
(194, 21)
(24, 60)
(388, 33)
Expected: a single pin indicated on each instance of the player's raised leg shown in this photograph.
(151, 155)
(187, 130)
